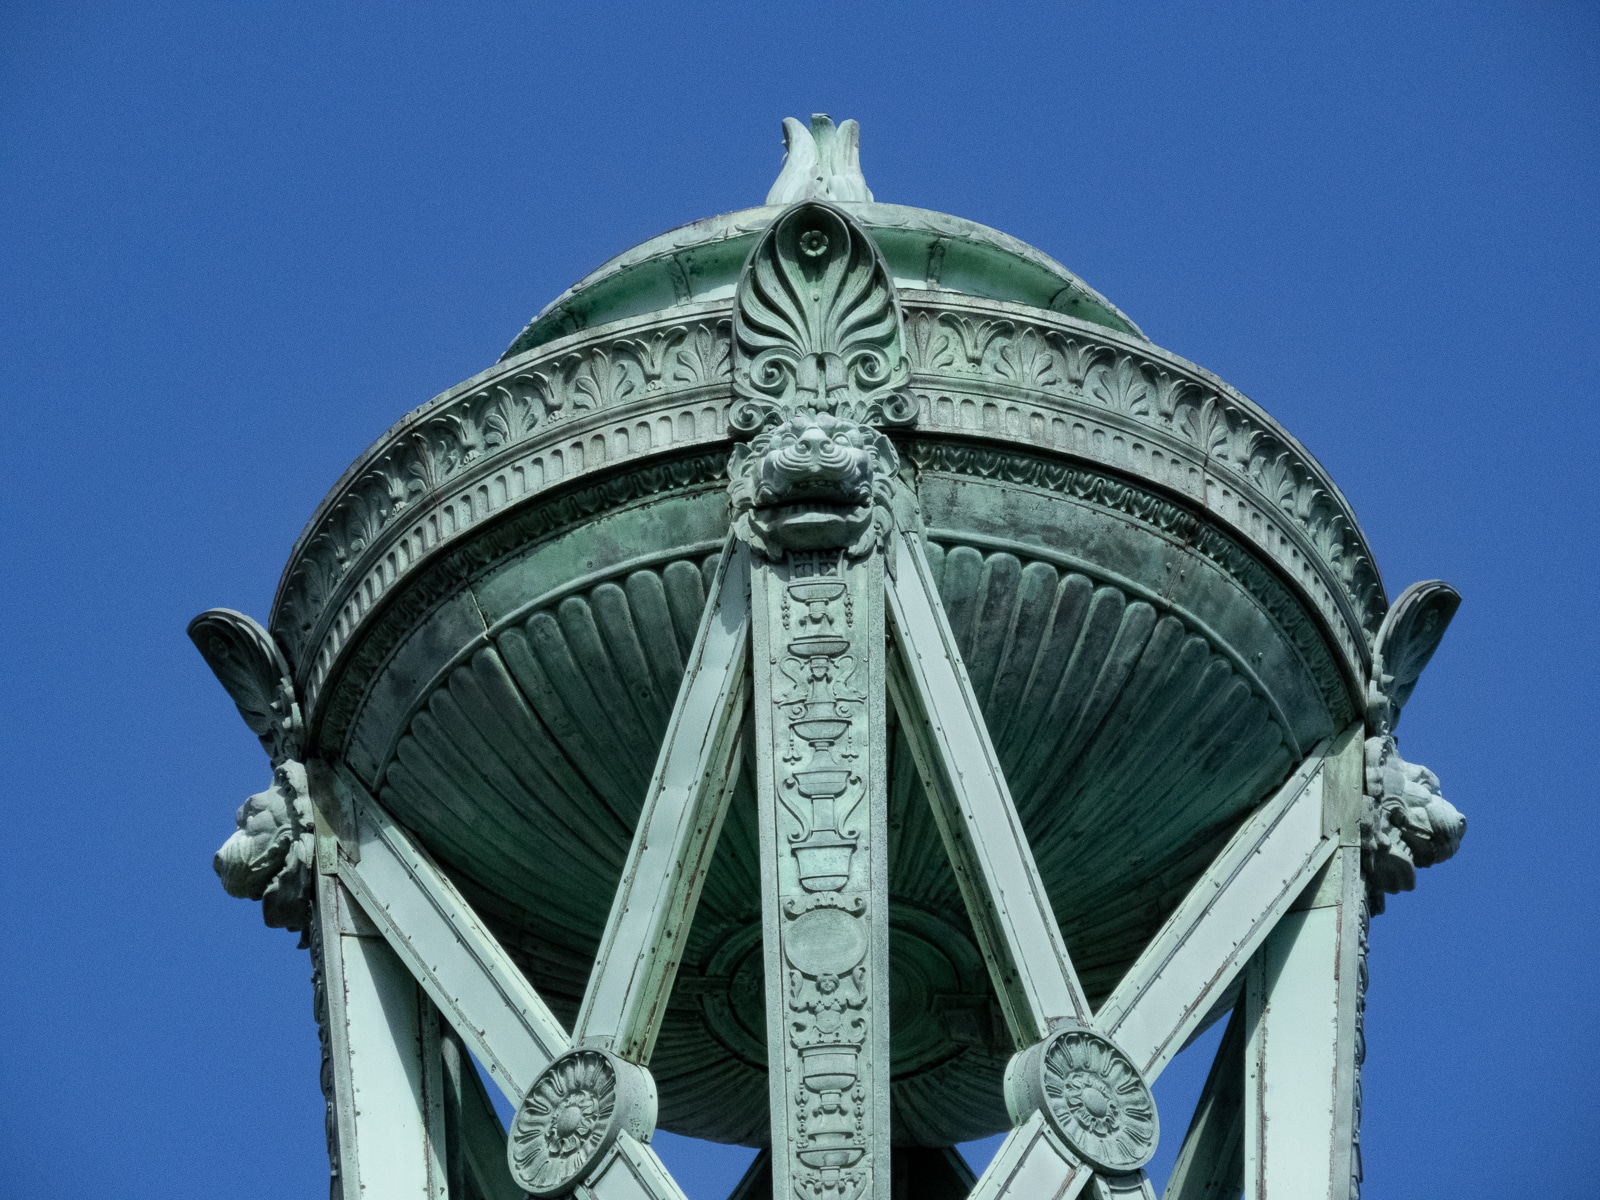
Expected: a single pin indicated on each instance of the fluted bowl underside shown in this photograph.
(1161, 601)
(1132, 742)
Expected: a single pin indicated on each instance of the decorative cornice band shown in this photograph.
(531, 425)
(1006, 372)
(658, 386)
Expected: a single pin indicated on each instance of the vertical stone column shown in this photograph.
(820, 709)
(818, 363)
(388, 1086)
(1301, 995)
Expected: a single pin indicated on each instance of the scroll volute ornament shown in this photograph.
(819, 363)
(1411, 631)
(271, 855)
(1406, 822)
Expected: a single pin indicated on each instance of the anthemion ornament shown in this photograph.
(834, 686)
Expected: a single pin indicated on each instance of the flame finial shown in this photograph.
(820, 163)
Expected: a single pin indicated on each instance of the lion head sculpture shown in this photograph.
(1406, 822)
(272, 855)
(814, 482)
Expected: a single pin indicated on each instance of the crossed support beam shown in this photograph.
(1079, 1085)
(585, 1102)
(1272, 922)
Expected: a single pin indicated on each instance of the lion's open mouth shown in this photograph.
(813, 511)
(819, 492)
(814, 525)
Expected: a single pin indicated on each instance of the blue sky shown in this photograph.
(239, 240)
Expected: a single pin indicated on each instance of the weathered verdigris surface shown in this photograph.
(1161, 598)
(1162, 609)
(819, 367)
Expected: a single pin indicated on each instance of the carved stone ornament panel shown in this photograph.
(817, 361)
(1406, 822)
(271, 855)
(820, 714)
(969, 370)
(1092, 1095)
(571, 1117)
(817, 326)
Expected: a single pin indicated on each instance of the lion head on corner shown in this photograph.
(1407, 823)
(272, 854)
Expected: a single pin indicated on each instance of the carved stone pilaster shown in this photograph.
(818, 361)
(820, 708)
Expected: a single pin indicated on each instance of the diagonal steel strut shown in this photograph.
(1166, 993)
(488, 1001)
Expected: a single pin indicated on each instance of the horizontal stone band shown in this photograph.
(985, 370)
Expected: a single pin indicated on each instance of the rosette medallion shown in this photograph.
(1093, 1097)
(571, 1117)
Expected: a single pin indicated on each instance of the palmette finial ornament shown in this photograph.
(819, 362)
(820, 163)
(817, 325)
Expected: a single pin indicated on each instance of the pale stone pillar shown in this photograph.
(1301, 995)
(387, 1080)
(821, 754)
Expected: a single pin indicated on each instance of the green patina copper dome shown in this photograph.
(1162, 600)
(701, 262)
